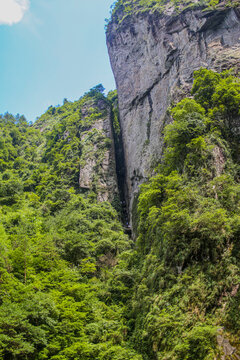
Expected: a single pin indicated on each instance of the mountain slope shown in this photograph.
(186, 303)
(73, 285)
(62, 248)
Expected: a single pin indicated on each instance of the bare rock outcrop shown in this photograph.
(97, 163)
(229, 352)
(153, 57)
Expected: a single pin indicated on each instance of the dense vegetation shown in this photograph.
(123, 8)
(61, 252)
(188, 229)
(72, 284)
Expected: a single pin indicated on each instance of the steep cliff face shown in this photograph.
(153, 57)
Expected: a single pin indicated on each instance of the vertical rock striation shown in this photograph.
(153, 57)
(97, 163)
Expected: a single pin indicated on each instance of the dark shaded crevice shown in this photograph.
(120, 167)
(214, 19)
(150, 116)
(140, 98)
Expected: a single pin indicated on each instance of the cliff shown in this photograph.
(153, 57)
(72, 284)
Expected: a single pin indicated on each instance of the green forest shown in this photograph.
(73, 285)
(121, 9)
(62, 253)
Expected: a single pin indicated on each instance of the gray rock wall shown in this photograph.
(97, 163)
(153, 57)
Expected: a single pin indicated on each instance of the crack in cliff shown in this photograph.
(150, 115)
(140, 98)
(120, 171)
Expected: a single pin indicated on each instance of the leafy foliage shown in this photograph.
(122, 8)
(60, 249)
(72, 284)
(188, 229)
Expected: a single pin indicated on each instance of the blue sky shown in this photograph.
(55, 49)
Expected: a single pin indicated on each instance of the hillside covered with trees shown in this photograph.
(74, 286)
(63, 278)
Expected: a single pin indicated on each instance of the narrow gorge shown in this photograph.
(120, 212)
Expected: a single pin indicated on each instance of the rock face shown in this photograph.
(153, 57)
(81, 131)
(97, 164)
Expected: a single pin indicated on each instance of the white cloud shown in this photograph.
(12, 11)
